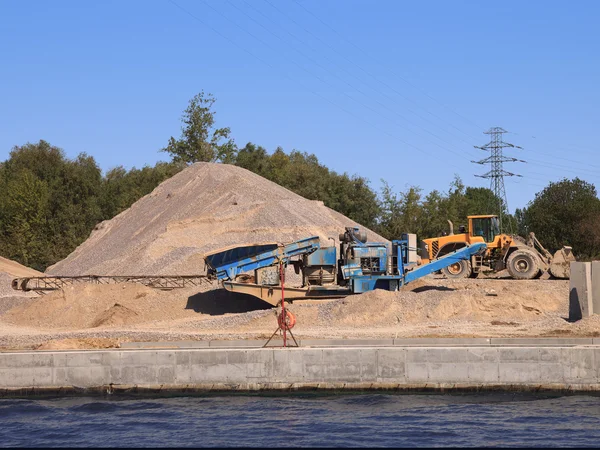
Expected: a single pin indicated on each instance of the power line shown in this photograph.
(496, 160)
(345, 94)
(391, 71)
(370, 74)
(296, 81)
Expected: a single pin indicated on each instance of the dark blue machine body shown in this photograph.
(359, 266)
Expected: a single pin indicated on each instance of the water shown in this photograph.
(364, 420)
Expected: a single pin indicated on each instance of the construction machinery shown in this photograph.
(359, 266)
(524, 259)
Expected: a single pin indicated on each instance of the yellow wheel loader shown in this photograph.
(524, 259)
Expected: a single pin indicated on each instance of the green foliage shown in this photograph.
(200, 140)
(49, 204)
(302, 173)
(122, 188)
(409, 212)
(565, 213)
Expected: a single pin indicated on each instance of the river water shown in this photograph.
(360, 420)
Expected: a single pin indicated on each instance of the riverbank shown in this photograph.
(551, 365)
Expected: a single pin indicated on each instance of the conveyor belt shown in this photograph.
(42, 284)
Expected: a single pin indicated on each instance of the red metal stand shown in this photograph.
(285, 320)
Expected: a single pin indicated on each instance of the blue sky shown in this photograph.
(393, 90)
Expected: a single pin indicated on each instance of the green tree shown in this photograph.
(49, 203)
(200, 140)
(122, 188)
(400, 213)
(566, 213)
(303, 174)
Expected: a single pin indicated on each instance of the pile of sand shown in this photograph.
(452, 301)
(9, 298)
(16, 270)
(204, 208)
(87, 306)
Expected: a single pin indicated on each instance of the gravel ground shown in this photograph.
(431, 307)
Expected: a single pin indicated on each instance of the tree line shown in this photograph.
(49, 203)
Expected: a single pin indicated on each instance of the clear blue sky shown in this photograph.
(394, 90)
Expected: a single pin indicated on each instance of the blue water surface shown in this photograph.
(361, 420)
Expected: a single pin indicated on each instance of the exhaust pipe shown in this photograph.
(451, 227)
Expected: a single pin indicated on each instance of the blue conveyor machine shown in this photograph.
(357, 266)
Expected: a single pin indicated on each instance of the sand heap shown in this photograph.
(15, 270)
(9, 270)
(204, 208)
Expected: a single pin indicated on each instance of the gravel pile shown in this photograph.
(204, 208)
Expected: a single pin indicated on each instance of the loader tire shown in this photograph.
(460, 269)
(523, 264)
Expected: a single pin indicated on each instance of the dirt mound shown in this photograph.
(204, 208)
(89, 306)
(115, 315)
(451, 301)
(6, 289)
(12, 269)
(15, 270)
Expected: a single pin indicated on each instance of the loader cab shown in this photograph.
(486, 227)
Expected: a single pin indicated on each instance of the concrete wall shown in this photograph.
(584, 290)
(572, 368)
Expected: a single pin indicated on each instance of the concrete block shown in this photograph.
(165, 344)
(518, 372)
(16, 377)
(165, 358)
(138, 358)
(347, 342)
(551, 355)
(538, 342)
(417, 372)
(519, 354)
(595, 289)
(137, 375)
(59, 376)
(42, 360)
(42, 376)
(582, 365)
(182, 357)
(216, 373)
(483, 372)
(84, 359)
(444, 342)
(208, 357)
(288, 365)
(237, 343)
(368, 363)
(165, 374)
(446, 355)
(16, 360)
(341, 364)
(580, 291)
(482, 355)
(416, 355)
(448, 372)
(259, 363)
(391, 364)
(552, 373)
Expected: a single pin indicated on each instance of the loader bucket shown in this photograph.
(560, 267)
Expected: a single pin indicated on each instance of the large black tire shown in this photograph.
(460, 269)
(523, 264)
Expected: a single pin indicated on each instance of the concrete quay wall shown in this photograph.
(575, 368)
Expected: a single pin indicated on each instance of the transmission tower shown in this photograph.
(496, 159)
